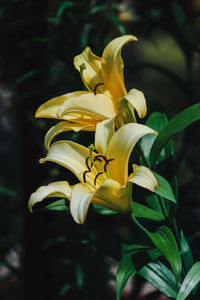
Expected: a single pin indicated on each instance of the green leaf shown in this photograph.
(156, 121)
(59, 205)
(191, 280)
(186, 253)
(103, 210)
(178, 123)
(160, 277)
(63, 6)
(165, 241)
(6, 191)
(116, 21)
(164, 188)
(185, 26)
(24, 77)
(142, 211)
(130, 264)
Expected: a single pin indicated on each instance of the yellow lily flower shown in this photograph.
(105, 99)
(103, 179)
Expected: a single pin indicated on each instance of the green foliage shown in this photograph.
(132, 263)
(161, 277)
(191, 280)
(165, 241)
(164, 188)
(178, 123)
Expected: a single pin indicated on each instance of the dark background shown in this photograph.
(46, 255)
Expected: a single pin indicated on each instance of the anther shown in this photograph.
(96, 86)
(95, 179)
(107, 162)
(88, 169)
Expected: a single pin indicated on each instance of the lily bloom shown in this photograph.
(106, 96)
(104, 179)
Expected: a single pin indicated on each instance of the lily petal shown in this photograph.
(71, 156)
(113, 196)
(50, 108)
(112, 66)
(54, 189)
(92, 73)
(143, 176)
(97, 106)
(80, 201)
(103, 134)
(137, 100)
(120, 148)
(64, 126)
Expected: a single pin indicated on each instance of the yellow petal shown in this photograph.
(113, 196)
(72, 156)
(80, 201)
(120, 148)
(98, 106)
(92, 73)
(112, 66)
(137, 100)
(65, 126)
(54, 189)
(49, 109)
(143, 176)
(103, 134)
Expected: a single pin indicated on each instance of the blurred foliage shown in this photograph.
(39, 40)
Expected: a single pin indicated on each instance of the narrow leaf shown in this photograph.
(160, 277)
(103, 210)
(130, 264)
(165, 241)
(164, 188)
(186, 253)
(191, 280)
(142, 211)
(63, 6)
(59, 205)
(178, 123)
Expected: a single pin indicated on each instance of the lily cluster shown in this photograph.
(108, 109)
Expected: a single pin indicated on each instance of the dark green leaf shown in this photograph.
(164, 188)
(103, 210)
(185, 26)
(165, 241)
(6, 191)
(156, 121)
(116, 21)
(186, 253)
(59, 205)
(178, 123)
(191, 280)
(63, 6)
(130, 264)
(142, 211)
(24, 77)
(160, 277)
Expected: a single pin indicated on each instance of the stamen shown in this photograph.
(96, 86)
(88, 169)
(99, 156)
(106, 163)
(82, 68)
(95, 179)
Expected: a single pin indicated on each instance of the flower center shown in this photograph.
(103, 166)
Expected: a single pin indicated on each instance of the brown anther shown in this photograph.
(95, 179)
(96, 86)
(88, 169)
(107, 162)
